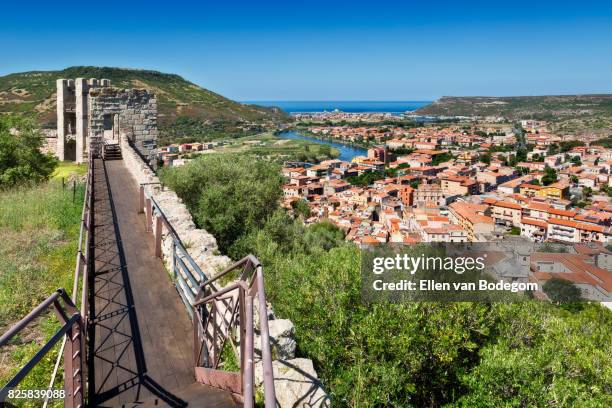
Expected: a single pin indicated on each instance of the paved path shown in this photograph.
(142, 348)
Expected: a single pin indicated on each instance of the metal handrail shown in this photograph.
(182, 260)
(72, 327)
(211, 333)
(82, 258)
(249, 285)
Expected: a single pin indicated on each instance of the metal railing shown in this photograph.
(218, 315)
(186, 272)
(74, 322)
(145, 160)
(74, 331)
(83, 265)
(227, 315)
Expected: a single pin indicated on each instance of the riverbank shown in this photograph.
(346, 150)
(271, 147)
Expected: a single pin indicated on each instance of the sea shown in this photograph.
(396, 107)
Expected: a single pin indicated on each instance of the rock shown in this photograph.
(295, 383)
(282, 343)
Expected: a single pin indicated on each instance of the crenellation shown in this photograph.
(90, 111)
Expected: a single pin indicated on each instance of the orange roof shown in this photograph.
(531, 186)
(534, 221)
(369, 240)
(507, 204)
(469, 212)
(580, 271)
(577, 225)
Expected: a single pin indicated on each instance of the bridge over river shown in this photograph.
(131, 342)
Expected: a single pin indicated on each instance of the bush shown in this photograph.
(561, 291)
(229, 195)
(21, 161)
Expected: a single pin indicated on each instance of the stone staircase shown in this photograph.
(112, 151)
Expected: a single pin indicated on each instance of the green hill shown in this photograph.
(186, 110)
(568, 113)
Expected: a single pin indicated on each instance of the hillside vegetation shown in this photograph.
(419, 354)
(568, 113)
(185, 109)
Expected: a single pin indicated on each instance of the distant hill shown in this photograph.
(184, 107)
(568, 113)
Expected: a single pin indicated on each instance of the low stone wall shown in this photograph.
(295, 380)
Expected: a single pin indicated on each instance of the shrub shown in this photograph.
(21, 161)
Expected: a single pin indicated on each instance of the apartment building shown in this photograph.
(471, 218)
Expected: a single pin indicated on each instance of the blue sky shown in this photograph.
(324, 50)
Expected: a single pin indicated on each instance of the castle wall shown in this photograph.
(136, 111)
(81, 108)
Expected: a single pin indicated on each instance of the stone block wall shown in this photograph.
(295, 380)
(136, 113)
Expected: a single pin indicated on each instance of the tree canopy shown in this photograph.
(21, 161)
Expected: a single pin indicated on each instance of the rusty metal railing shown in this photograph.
(73, 329)
(83, 266)
(186, 272)
(74, 322)
(232, 306)
(223, 315)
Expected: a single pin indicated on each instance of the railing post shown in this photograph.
(266, 355)
(196, 338)
(73, 367)
(248, 379)
(149, 215)
(213, 352)
(174, 267)
(158, 236)
(141, 200)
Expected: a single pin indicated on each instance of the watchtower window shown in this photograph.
(108, 121)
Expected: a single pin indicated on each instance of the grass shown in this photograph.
(68, 168)
(271, 147)
(39, 227)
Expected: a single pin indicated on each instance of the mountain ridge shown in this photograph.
(567, 113)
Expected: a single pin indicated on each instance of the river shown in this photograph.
(347, 152)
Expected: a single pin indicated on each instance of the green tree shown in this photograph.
(302, 208)
(229, 195)
(325, 150)
(441, 158)
(543, 357)
(365, 179)
(21, 161)
(550, 176)
(561, 291)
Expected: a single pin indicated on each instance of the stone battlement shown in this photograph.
(91, 110)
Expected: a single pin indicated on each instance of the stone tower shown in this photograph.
(90, 113)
